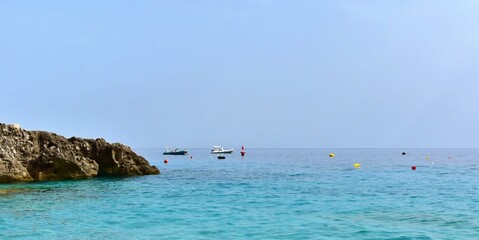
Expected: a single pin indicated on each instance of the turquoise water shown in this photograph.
(270, 194)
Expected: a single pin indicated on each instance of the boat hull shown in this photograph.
(229, 151)
(176, 153)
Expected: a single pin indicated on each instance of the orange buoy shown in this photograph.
(166, 161)
(413, 168)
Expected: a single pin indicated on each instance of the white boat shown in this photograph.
(221, 150)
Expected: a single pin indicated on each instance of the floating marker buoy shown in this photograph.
(427, 157)
(332, 155)
(413, 168)
(166, 161)
(403, 153)
(357, 165)
(191, 157)
(242, 151)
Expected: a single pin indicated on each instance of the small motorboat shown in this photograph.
(221, 150)
(176, 151)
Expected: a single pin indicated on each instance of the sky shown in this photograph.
(259, 73)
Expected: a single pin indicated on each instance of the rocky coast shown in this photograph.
(42, 156)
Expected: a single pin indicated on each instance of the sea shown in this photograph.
(268, 194)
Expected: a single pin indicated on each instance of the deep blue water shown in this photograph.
(270, 194)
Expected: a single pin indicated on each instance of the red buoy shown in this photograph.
(413, 167)
(242, 151)
(166, 161)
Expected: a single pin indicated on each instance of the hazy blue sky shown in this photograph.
(259, 73)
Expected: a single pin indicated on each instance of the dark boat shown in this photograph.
(221, 157)
(175, 152)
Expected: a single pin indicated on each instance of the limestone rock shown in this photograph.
(39, 155)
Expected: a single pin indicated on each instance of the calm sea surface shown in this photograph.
(270, 194)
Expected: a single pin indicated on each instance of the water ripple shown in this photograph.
(271, 194)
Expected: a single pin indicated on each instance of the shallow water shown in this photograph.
(270, 194)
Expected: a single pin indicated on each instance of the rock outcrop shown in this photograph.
(39, 155)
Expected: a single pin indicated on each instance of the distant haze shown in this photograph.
(259, 73)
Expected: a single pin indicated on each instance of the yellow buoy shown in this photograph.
(427, 157)
(332, 155)
(357, 165)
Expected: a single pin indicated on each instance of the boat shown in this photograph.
(221, 157)
(176, 151)
(221, 150)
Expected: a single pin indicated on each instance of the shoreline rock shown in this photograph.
(41, 156)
